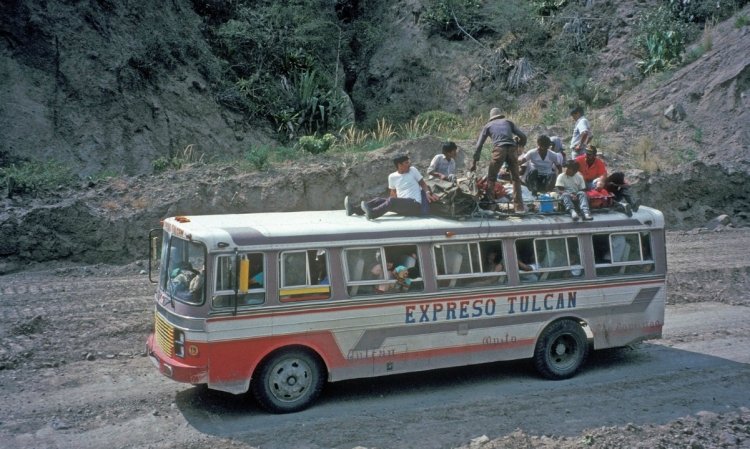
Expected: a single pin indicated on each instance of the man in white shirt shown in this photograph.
(406, 187)
(443, 166)
(543, 166)
(569, 184)
(581, 132)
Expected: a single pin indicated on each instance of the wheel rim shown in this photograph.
(563, 352)
(290, 379)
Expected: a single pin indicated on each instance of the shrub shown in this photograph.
(258, 157)
(661, 38)
(316, 145)
(454, 18)
(33, 177)
(439, 120)
(741, 21)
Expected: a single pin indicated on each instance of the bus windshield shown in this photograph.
(184, 277)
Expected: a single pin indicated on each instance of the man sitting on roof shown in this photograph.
(409, 194)
(592, 168)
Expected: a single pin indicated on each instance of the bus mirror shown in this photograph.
(244, 277)
(154, 253)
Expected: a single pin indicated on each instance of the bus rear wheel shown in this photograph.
(288, 381)
(561, 350)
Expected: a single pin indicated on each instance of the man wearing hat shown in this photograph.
(592, 168)
(581, 132)
(504, 150)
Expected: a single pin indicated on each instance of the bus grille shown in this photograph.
(164, 333)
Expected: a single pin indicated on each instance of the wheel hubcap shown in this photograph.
(290, 379)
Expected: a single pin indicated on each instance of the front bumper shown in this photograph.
(175, 369)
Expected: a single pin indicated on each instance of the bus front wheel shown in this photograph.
(561, 350)
(288, 381)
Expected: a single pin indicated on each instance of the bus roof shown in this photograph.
(289, 229)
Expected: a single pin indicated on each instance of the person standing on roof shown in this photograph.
(581, 132)
(504, 150)
(409, 194)
(443, 166)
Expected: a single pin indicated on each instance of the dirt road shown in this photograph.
(73, 375)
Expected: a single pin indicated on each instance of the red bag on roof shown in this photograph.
(599, 198)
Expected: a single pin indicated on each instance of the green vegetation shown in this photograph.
(283, 62)
(316, 145)
(34, 177)
(454, 19)
(741, 21)
(188, 155)
(661, 37)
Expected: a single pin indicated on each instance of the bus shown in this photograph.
(280, 304)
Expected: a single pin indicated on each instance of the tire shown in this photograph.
(561, 350)
(288, 381)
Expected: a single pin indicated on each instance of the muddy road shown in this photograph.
(74, 375)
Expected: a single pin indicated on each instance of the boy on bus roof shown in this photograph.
(570, 184)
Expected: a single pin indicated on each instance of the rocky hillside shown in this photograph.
(109, 87)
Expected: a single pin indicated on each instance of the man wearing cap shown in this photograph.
(409, 194)
(592, 168)
(581, 132)
(504, 150)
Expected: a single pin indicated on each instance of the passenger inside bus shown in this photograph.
(527, 261)
(403, 281)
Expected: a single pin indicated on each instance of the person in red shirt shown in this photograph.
(592, 168)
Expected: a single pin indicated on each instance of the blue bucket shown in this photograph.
(546, 204)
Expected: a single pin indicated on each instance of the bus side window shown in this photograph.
(469, 264)
(622, 253)
(559, 258)
(304, 276)
(528, 268)
(226, 281)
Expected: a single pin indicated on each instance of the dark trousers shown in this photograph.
(501, 154)
(537, 182)
(624, 193)
(402, 206)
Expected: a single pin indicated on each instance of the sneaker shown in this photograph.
(366, 208)
(635, 206)
(520, 209)
(574, 215)
(587, 216)
(628, 209)
(348, 206)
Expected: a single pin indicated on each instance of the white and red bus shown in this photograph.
(281, 303)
